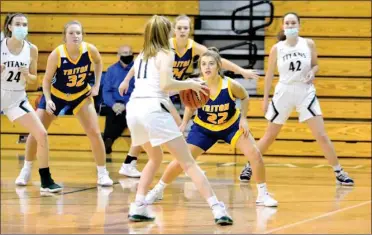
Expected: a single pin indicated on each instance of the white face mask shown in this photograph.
(20, 33)
(290, 33)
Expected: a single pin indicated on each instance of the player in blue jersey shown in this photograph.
(185, 49)
(65, 84)
(219, 119)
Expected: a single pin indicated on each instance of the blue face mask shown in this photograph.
(20, 33)
(291, 32)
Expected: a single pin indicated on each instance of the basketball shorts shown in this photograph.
(60, 104)
(205, 139)
(14, 104)
(289, 96)
(149, 120)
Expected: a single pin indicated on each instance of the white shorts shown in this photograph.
(149, 120)
(289, 96)
(14, 104)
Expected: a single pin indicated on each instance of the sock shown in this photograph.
(247, 165)
(262, 190)
(140, 200)
(101, 169)
(212, 201)
(337, 168)
(45, 176)
(162, 185)
(28, 164)
(129, 159)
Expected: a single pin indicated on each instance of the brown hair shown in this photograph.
(212, 52)
(68, 25)
(157, 32)
(281, 36)
(8, 21)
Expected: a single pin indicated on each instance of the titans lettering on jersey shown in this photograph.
(220, 111)
(293, 55)
(70, 80)
(181, 61)
(14, 64)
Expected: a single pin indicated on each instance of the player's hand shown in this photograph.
(182, 127)
(198, 86)
(93, 91)
(265, 105)
(249, 74)
(50, 107)
(310, 76)
(2, 68)
(123, 88)
(243, 126)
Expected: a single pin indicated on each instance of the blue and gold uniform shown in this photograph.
(217, 120)
(182, 61)
(70, 82)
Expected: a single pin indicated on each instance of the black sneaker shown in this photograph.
(51, 188)
(342, 178)
(246, 174)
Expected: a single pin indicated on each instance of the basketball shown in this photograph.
(190, 99)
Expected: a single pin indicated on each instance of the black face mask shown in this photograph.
(126, 59)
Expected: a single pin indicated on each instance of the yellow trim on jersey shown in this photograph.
(89, 54)
(236, 137)
(192, 49)
(68, 97)
(68, 56)
(229, 89)
(218, 127)
(219, 89)
(175, 47)
(77, 108)
(59, 57)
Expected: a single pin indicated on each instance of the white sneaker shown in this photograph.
(104, 179)
(130, 170)
(140, 213)
(220, 214)
(156, 194)
(266, 200)
(23, 177)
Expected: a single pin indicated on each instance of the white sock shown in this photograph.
(101, 169)
(27, 164)
(140, 199)
(262, 189)
(162, 185)
(212, 201)
(337, 168)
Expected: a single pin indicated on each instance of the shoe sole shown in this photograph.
(344, 184)
(140, 218)
(223, 221)
(130, 176)
(105, 185)
(47, 190)
(262, 204)
(20, 184)
(245, 181)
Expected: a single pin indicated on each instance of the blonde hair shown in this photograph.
(68, 25)
(212, 52)
(183, 17)
(157, 34)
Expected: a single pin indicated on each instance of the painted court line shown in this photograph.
(317, 217)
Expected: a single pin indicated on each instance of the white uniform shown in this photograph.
(291, 91)
(147, 116)
(14, 101)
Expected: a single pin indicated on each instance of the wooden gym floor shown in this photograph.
(309, 200)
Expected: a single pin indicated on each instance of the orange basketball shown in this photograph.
(190, 99)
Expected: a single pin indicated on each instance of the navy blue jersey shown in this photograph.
(182, 62)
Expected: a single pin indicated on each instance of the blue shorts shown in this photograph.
(205, 139)
(60, 104)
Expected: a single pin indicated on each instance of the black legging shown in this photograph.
(114, 125)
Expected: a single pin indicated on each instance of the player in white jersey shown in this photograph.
(19, 66)
(296, 58)
(151, 123)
